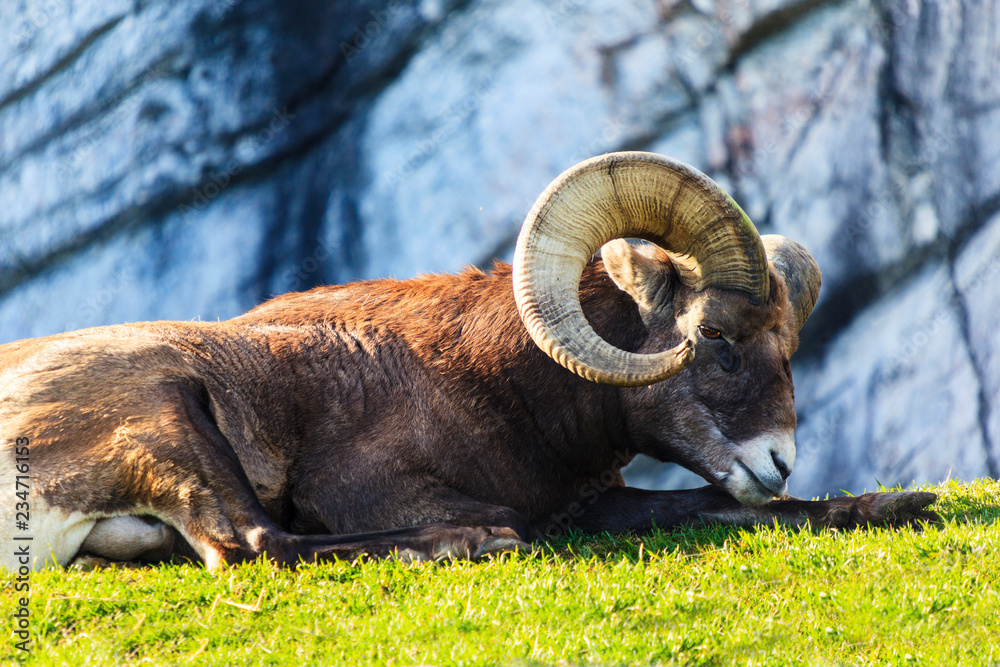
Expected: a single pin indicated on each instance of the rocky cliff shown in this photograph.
(178, 160)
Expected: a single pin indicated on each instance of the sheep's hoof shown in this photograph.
(894, 508)
(494, 546)
(444, 542)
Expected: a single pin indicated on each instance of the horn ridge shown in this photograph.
(708, 237)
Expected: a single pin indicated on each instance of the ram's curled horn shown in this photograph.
(709, 239)
(799, 270)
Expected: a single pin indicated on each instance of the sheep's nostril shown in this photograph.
(780, 464)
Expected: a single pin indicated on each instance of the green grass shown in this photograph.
(771, 596)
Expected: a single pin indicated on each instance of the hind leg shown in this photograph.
(120, 541)
(178, 467)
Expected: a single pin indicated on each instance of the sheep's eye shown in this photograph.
(709, 332)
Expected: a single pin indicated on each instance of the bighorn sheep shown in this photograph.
(435, 417)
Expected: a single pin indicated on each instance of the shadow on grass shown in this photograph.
(688, 540)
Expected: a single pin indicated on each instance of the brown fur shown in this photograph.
(384, 406)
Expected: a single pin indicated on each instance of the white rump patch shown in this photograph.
(55, 535)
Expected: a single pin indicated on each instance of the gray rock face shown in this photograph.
(178, 160)
(890, 382)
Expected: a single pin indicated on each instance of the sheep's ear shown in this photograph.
(643, 272)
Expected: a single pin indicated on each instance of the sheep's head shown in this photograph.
(712, 293)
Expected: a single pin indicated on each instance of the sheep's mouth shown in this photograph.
(764, 488)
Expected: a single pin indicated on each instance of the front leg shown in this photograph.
(621, 509)
(891, 508)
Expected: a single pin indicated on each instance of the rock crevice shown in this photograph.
(174, 160)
